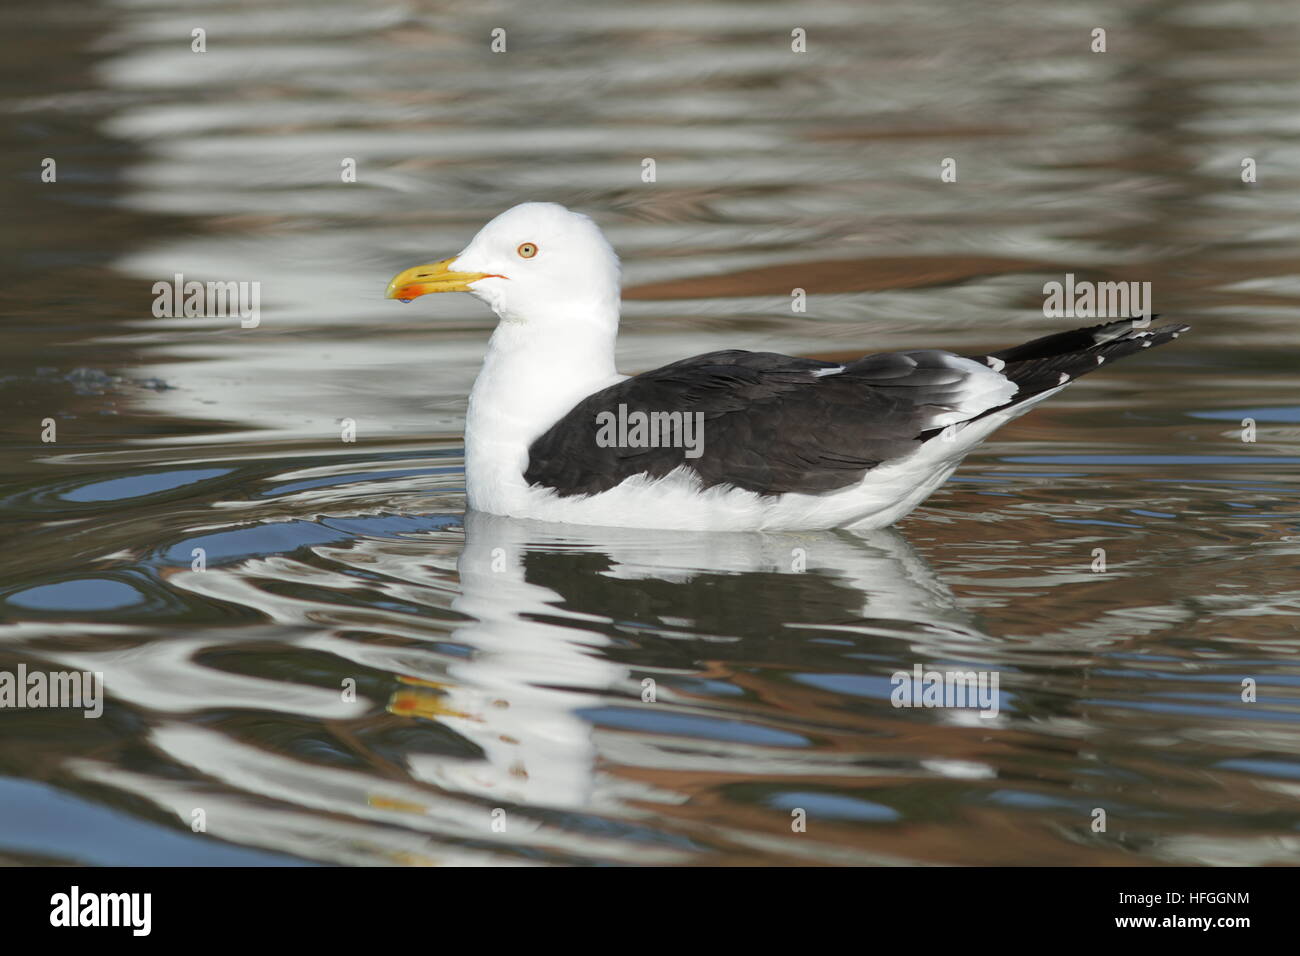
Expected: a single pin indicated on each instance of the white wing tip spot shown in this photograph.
(1063, 379)
(1146, 345)
(822, 372)
(1100, 359)
(995, 363)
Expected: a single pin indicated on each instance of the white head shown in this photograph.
(536, 263)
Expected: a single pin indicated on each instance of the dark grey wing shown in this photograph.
(771, 423)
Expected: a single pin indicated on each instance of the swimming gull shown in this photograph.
(729, 440)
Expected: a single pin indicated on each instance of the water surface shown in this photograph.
(500, 667)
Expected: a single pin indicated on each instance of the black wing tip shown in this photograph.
(1059, 359)
(1075, 340)
(1139, 334)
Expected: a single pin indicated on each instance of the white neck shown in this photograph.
(535, 371)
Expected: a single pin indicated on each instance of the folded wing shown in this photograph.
(771, 423)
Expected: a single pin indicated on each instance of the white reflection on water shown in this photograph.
(537, 662)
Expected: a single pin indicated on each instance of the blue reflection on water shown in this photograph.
(36, 818)
(78, 594)
(829, 806)
(137, 486)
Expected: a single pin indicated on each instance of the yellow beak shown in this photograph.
(435, 277)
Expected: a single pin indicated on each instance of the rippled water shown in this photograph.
(500, 666)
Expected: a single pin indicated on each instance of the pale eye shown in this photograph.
(527, 250)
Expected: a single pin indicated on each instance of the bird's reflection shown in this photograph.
(560, 616)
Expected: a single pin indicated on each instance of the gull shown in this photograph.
(726, 441)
